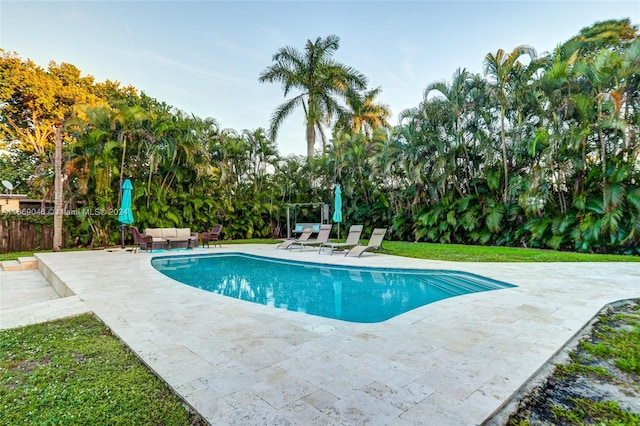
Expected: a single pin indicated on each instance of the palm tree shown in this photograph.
(366, 114)
(321, 81)
(456, 99)
(502, 67)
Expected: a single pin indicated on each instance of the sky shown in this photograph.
(205, 57)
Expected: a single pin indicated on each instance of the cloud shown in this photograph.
(233, 47)
(224, 79)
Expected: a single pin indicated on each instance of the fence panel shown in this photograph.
(24, 236)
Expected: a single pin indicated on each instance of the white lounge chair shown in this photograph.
(375, 243)
(353, 239)
(323, 237)
(306, 233)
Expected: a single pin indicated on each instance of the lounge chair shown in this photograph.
(353, 239)
(323, 237)
(304, 236)
(213, 235)
(375, 243)
(144, 241)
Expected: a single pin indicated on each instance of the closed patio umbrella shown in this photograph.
(337, 207)
(126, 214)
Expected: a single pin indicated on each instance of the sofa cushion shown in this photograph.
(183, 232)
(168, 232)
(154, 232)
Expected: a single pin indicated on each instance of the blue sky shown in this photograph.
(204, 57)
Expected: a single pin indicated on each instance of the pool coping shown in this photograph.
(254, 364)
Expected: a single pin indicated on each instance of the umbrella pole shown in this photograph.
(122, 233)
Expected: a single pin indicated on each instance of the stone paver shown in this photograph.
(454, 362)
(26, 297)
(22, 288)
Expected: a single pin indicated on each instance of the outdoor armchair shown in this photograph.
(144, 241)
(213, 235)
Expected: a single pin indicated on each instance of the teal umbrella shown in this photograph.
(337, 208)
(126, 215)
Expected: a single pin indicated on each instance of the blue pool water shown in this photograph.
(353, 294)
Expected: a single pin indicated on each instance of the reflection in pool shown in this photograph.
(347, 293)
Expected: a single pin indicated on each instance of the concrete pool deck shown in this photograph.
(453, 362)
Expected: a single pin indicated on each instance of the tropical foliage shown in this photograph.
(538, 151)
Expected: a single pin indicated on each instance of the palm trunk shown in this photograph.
(151, 160)
(57, 204)
(311, 141)
(603, 146)
(467, 167)
(504, 155)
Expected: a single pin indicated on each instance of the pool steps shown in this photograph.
(22, 264)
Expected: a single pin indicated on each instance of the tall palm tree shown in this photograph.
(456, 99)
(502, 67)
(321, 80)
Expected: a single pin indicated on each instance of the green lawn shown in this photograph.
(463, 253)
(16, 254)
(74, 371)
(454, 253)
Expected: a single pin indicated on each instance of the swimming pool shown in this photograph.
(354, 294)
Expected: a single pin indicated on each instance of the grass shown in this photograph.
(619, 344)
(610, 356)
(464, 253)
(251, 241)
(467, 253)
(453, 252)
(74, 371)
(584, 411)
(16, 254)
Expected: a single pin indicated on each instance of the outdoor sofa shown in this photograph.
(172, 237)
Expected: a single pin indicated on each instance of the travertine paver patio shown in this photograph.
(454, 362)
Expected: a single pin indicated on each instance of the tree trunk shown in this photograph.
(57, 204)
(311, 141)
(504, 156)
(311, 130)
(603, 147)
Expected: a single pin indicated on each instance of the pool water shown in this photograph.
(355, 294)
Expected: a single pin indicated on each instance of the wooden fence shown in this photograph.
(24, 236)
